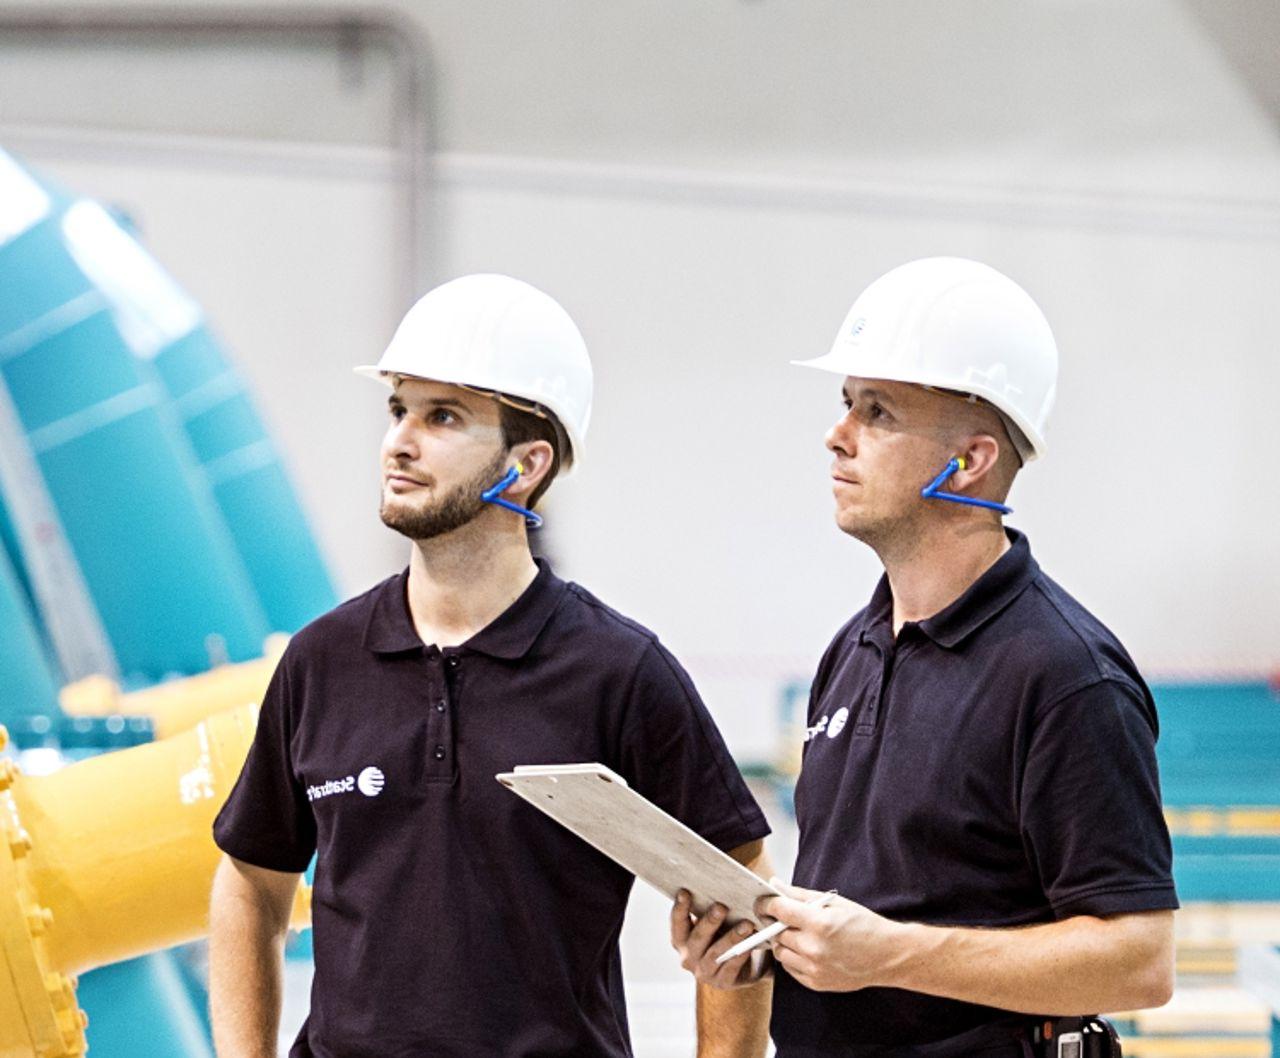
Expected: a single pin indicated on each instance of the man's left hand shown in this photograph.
(700, 941)
(841, 947)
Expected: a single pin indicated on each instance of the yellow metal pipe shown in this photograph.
(178, 705)
(105, 860)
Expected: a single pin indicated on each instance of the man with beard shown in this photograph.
(979, 779)
(450, 918)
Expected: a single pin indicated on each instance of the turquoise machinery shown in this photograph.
(156, 532)
(147, 529)
(29, 682)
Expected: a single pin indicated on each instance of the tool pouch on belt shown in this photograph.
(1088, 1037)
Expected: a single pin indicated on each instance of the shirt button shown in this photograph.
(453, 661)
(439, 707)
(439, 753)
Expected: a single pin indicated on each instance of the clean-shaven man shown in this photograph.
(979, 780)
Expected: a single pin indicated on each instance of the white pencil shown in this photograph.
(769, 932)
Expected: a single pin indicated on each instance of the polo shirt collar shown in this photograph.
(985, 597)
(981, 601)
(877, 625)
(510, 635)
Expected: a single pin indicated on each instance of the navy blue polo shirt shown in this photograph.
(992, 766)
(450, 917)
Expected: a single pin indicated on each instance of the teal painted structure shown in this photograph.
(248, 481)
(159, 563)
(1220, 748)
(1227, 869)
(1219, 744)
(26, 675)
(144, 1008)
(181, 519)
(187, 532)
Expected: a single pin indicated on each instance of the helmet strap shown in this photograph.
(493, 494)
(933, 490)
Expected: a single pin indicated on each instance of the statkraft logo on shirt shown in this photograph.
(370, 783)
(832, 726)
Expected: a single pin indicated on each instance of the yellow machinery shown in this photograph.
(104, 860)
(179, 704)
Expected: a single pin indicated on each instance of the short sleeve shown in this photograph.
(674, 755)
(267, 820)
(1090, 805)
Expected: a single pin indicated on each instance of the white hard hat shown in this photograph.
(958, 325)
(499, 334)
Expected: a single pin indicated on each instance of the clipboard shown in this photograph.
(598, 805)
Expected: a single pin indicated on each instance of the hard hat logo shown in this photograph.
(503, 337)
(957, 325)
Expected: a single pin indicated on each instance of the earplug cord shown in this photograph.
(933, 490)
(493, 494)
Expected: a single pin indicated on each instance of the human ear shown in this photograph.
(977, 457)
(534, 459)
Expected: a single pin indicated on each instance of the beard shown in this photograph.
(445, 513)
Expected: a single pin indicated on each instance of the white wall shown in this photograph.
(819, 84)
(707, 232)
